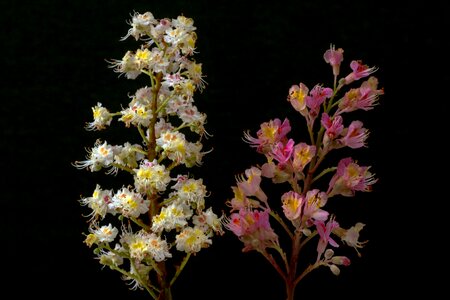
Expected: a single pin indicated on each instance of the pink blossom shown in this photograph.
(324, 231)
(269, 134)
(365, 97)
(359, 71)
(334, 58)
(282, 152)
(250, 185)
(312, 211)
(350, 177)
(292, 205)
(240, 200)
(268, 169)
(303, 153)
(333, 127)
(253, 229)
(317, 96)
(354, 136)
(277, 173)
(297, 98)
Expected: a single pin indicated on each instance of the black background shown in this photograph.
(54, 71)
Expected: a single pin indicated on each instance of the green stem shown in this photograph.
(182, 265)
(307, 239)
(283, 256)
(137, 278)
(294, 184)
(183, 125)
(172, 165)
(325, 171)
(140, 223)
(305, 272)
(164, 103)
(142, 133)
(124, 168)
(135, 149)
(167, 201)
(312, 165)
(152, 77)
(282, 223)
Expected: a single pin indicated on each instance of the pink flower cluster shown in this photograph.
(301, 210)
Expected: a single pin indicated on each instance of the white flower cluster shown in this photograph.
(158, 212)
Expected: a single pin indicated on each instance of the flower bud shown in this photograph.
(341, 260)
(335, 270)
(329, 253)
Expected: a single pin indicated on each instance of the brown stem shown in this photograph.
(166, 292)
(154, 206)
(154, 107)
(290, 278)
(274, 264)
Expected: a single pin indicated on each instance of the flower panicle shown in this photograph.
(302, 210)
(157, 217)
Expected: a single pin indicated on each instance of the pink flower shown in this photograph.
(253, 229)
(317, 96)
(292, 205)
(333, 127)
(269, 134)
(312, 211)
(350, 177)
(283, 152)
(315, 99)
(324, 231)
(365, 97)
(250, 185)
(354, 136)
(359, 71)
(297, 98)
(303, 153)
(334, 58)
(277, 173)
(240, 200)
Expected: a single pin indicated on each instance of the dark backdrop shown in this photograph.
(54, 70)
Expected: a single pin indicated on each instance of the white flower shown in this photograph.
(207, 221)
(100, 156)
(128, 65)
(151, 177)
(158, 248)
(98, 202)
(183, 22)
(141, 25)
(137, 114)
(105, 233)
(351, 236)
(102, 118)
(142, 244)
(129, 203)
(192, 192)
(174, 145)
(128, 155)
(174, 216)
(192, 240)
(109, 258)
